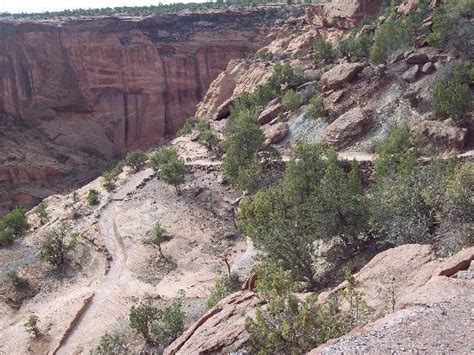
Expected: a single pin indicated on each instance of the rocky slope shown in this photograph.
(33, 167)
(112, 269)
(431, 299)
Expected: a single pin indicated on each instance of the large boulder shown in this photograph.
(411, 74)
(345, 13)
(427, 302)
(223, 110)
(341, 74)
(441, 135)
(428, 68)
(417, 58)
(346, 129)
(221, 329)
(273, 109)
(276, 133)
(407, 6)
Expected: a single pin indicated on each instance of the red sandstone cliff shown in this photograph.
(111, 84)
(105, 86)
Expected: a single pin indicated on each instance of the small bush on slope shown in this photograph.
(243, 140)
(111, 344)
(169, 167)
(157, 325)
(452, 26)
(290, 326)
(223, 287)
(12, 225)
(42, 213)
(156, 238)
(323, 50)
(414, 203)
(93, 197)
(16, 282)
(316, 107)
(187, 127)
(394, 35)
(31, 326)
(136, 160)
(206, 137)
(291, 100)
(356, 47)
(56, 246)
(452, 97)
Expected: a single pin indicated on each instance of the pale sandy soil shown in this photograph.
(96, 297)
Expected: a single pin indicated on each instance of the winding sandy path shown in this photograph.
(100, 310)
(103, 298)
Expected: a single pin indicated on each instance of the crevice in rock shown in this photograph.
(460, 266)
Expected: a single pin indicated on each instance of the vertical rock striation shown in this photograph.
(114, 84)
(105, 86)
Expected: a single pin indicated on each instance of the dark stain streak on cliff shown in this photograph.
(125, 114)
(111, 85)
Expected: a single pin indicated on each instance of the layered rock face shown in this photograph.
(33, 167)
(113, 84)
(105, 86)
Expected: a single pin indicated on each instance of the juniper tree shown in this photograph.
(169, 167)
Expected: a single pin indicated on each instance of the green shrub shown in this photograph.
(452, 97)
(454, 212)
(169, 167)
(283, 74)
(12, 225)
(16, 282)
(223, 287)
(31, 326)
(356, 47)
(291, 101)
(393, 150)
(109, 177)
(156, 238)
(93, 197)
(243, 140)
(56, 246)
(108, 180)
(206, 137)
(323, 50)
(394, 35)
(316, 200)
(42, 213)
(316, 107)
(452, 26)
(412, 202)
(264, 55)
(272, 280)
(111, 344)
(290, 326)
(157, 325)
(136, 160)
(188, 126)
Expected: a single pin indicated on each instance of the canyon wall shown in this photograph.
(112, 84)
(105, 86)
